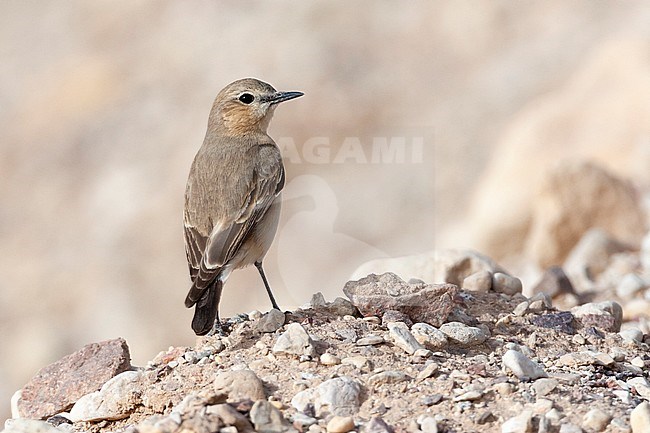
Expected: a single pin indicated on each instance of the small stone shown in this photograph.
(295, 341)
(622, 395)
(340, 424)
(304, 400)
(420, 355)
(24, 425)
(629, 286)
(191, 357)
(339, 395)
(521, 423)
(637, 361)
(347, 334)
(194, 403)
(60, 420)
(463, 334)
(230, 416)
(370, 340)
(302, 420)
(640, 418)
(572, 359)
(641, 385)
(540, 302)
(562, 321)
(545, 299)
(317, 301)
(554, 282)
(239, 385)
(329, 359)
(543, 424)
(480, 281)
(372, 319)
(631, 334)
(604, 359)
(375, 294)
(521, 308)
(460, 376)
(428, 425)
(260, 345)
(544, 386)
(585, 358)
(255, 315)
(504, 283)
(429, 336)
(503, 388)
(596, 420)
(267, 418)
(469, 396)
(403, 338)
(271, 321)
(431, 400)
(578, 339)
(377, 425)
(395, 316)
(597, 322)
(620, 424)
(607, 315)
(542, 405)
(521, 366)
(387, 377)
(485, 417)
(554, 416)
(360, 362)
(59, 385)
(342, 307)
(162, 424)
(523, 349)
(617, 354)
(427, 372)
(570, 428)
(116, 399)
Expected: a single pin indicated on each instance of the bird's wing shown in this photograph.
(227, 237)
(194, 247)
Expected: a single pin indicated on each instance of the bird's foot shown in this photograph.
(240, 318)
(217, 329)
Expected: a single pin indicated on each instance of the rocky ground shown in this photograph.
(473, 356)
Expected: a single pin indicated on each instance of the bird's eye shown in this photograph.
(246, 98)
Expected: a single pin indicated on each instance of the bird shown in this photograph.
(233, 196)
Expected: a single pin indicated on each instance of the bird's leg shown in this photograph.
(258, 265)
(217, 328)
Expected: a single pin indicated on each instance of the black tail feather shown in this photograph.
(206, 311)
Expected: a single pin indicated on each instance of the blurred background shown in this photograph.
(422, 127)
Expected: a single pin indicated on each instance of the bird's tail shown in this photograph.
(206, 311)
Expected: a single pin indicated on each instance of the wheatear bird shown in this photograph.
(232, 199)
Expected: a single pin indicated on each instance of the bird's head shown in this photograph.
(246, 106)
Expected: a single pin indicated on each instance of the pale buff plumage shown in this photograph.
(232, 199)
